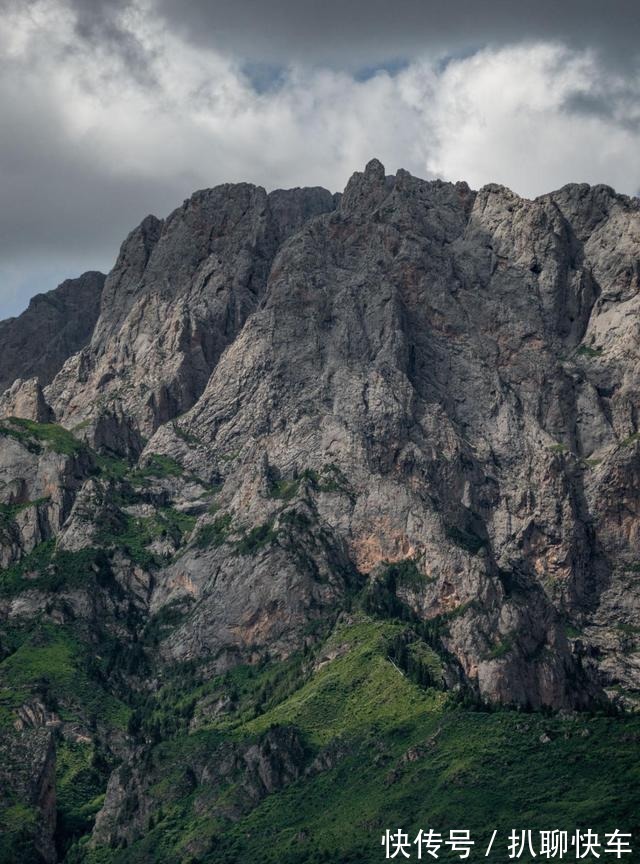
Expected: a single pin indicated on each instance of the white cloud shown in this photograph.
(93, 144)
(506, 116)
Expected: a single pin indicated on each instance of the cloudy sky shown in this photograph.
(111, 110)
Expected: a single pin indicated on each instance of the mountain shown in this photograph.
(53, 327)
(331, 524)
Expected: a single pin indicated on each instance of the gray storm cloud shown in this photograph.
(115, 109)
(361, 31)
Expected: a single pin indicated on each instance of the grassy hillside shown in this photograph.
(396, 755)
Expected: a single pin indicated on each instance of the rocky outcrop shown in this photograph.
(50, 330)
(25, 399)
(42, 468)
(412, 371)
(245, 773)
(28, 775)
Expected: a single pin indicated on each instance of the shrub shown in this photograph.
(258, 537)
(214, 533)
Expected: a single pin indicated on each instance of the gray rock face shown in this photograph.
(38, 486)
(180, 292)
(25, 399)
(55, 326)
(467, 365)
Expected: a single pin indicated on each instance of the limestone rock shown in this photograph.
(50, 330)
(25, 399)
(445, 352)
(180, 292)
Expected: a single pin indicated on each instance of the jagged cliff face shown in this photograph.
(468, 363)
(180, 292)
(50, 330)
(413, 397)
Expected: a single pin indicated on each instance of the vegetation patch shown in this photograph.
(417, 660)
(591, 463)
(503, 647)
(380, 595)
(51, 570)
(230, 457)
(379, 599)
(392, 750)
(111, 467)
(588, 351)
(134, 534)
(187, 437)
(8, 512)
(158, 466)
(214, 533)
(52, 663)
(628, 629)
(36, 436)
(251, 541)
(329, 479)
(358, 690)
(296, 519)
(17, 823)
(166, 618)
(284, 490)
(131, 535)
(82, 772)
(407, 575)
(558, 448)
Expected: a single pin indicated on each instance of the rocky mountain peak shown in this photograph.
(374, 171)
(366, 190)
